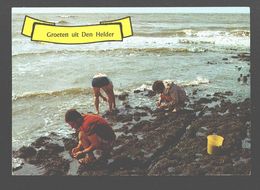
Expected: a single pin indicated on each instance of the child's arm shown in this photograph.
(77, 148)
(93, 143)
(88, 149)
(88, 146)
(159, 101)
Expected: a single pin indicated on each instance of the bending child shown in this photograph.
(101, 81)
(172, 96)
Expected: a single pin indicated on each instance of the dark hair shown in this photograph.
(158, 86)
(72, 115)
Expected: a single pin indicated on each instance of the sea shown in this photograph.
(195, 51)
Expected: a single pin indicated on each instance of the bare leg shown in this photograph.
(108, 89)
(113, 97)
(96, 98)
(89, 156)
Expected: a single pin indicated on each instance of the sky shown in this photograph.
(132, 10)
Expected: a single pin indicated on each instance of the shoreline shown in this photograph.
(155, 143)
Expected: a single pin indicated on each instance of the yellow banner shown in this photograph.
(49, 32)
(77, 34)
(28, 25)
(126, 25)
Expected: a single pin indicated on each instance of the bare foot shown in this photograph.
(86, 160)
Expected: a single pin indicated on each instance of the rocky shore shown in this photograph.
(154, 143)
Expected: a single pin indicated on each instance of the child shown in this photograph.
(101, 81)
(94, 133)
(172, 96)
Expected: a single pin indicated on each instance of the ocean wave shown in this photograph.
(240, 33)
(86, 91)
(70, 91)
(198, 81)
(62, 22)
(118, 51)
(24, 54)
(163, 34)
(195, 33)
(67, 16)
(188, 41)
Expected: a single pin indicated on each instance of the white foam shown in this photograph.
(199, 80)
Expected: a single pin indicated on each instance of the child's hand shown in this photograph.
(163, 106)
(75, 155)
(74, 150)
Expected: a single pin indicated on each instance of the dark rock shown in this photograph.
(169, 144)
(122, 96)
(128, 172)
(211, 63)
(69, 143)
(244, 79)
(145, 108)
(137, 91)
(123, 162)
(204, 101)
(41, 142)
(111, 115)
(138, 115)
(53, 135)
(242, 56)
(54, 148)
(141, 126)
(17, 164)
(161, 167)
(220, 95)
(228, 93)
(150, 93)
(225, 59)
(16, 168)
(194, 92)
(124, 118)
(57, 167)
(43, 154)
(26, 152)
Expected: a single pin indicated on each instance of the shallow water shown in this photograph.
(48, 79)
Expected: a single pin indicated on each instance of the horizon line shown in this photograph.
(240, 10)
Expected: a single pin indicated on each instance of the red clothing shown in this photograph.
(172, 94)
(165, 98)
(91, 120)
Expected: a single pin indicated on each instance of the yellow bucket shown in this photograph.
(214, 143)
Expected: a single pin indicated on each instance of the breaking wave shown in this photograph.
(198, 81)
(70, 91)
(119, 51)
(196, 33)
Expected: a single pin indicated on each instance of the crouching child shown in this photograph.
(94, 133)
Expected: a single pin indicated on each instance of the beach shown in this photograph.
(155, 143)
(204, 56)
